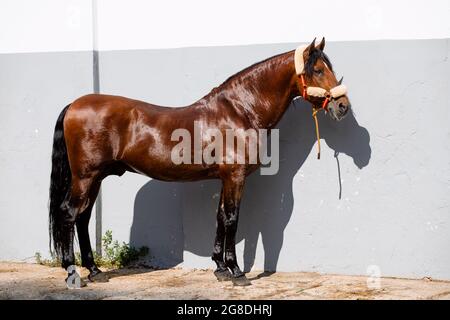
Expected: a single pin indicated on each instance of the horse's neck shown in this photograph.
(265, 90)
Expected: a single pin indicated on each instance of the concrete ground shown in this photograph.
(32, 281)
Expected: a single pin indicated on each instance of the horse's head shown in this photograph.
(319, 82)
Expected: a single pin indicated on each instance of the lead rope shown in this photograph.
(314, 114)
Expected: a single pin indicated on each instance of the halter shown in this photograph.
(318, 92)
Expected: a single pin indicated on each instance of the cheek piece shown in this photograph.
(317, 92)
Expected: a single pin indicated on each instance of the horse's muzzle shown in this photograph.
(339, 108)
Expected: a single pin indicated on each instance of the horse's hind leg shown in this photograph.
(222, 273)
(82, 222)
(76, 202)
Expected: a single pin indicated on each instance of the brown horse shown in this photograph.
(101, 135)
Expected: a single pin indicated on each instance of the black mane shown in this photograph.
(313, 57)
(309, 66)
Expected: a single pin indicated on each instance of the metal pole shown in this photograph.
(96, 87)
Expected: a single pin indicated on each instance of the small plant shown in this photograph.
(52, 262)
(115, 255)
(120, 255)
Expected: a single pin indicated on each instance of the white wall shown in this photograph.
(45, 25)
(54, 25)
(140, 24)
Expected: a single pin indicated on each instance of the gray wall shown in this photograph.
(392, 154)
(34, 87)
(393, 158)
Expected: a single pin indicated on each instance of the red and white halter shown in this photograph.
(318, 92)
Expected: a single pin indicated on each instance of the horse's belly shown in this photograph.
(180, 172)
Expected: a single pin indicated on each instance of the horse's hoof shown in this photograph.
(223, 275)
(98, 276)
(241, 281)
(83, 283)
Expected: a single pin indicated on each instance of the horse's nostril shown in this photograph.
(343, 109)
(345, 112)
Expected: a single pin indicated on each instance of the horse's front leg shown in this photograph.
(232, 192)
(222, 273)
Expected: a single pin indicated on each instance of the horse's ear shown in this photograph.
(309, 49)
(321, 45)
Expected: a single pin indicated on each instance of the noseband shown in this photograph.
(318, 92)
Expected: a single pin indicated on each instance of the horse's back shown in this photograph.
(103, 103)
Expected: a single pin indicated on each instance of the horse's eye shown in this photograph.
(319, 72)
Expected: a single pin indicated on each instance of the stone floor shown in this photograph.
(32, 281)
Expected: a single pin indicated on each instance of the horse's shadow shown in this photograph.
(171, 217)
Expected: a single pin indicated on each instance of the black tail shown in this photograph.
(59, 184)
